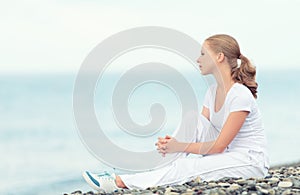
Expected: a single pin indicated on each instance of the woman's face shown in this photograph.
(206, 61)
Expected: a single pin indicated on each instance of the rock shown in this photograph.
(296, 182)
(168, 190)
(271, 191)
(78, 192)
(188, 193)
(273, 181)
(198, 188)
(287, 192)
(212, 192)
(296, 190)
(282, 169)
(263, 185)
(251, 185)
(262, 190)
(178, 188)
(192, 183)
(225, 185)
(285, 184)
(134, 190)
(146, 192)
(234, 187)
(225, 179)
(212, 185)
(161, 188)
(221, 192)
(268, 176)
(198, 180)
(287, 179)
(171, 193)
(134, 193)
(90, 193)
(241, 181)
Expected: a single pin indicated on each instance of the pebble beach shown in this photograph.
(283, 179)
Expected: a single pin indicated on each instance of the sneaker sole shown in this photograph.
(90, 181)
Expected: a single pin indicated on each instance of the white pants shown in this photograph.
(238, 163)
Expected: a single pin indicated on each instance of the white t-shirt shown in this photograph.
(239, 98)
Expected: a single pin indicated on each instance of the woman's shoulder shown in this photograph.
(240, 98)
(240, 90)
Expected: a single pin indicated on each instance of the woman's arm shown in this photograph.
(230, 129)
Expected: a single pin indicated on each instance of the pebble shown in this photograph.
(171, 193)
(234, 187)
(283, 180)
(89, 193)
(287, 192)
(296, 182)
(198, 180)
(251, 185)
(76, 192)
(212, 184)
(187, 193)
(262, 190)
(168, 190)
(271, 191)
(285, 184)
(225, 185)
(273, 181)
(241, 181)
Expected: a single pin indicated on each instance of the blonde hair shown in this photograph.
(245, 73)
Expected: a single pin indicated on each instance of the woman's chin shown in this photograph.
(203, 72)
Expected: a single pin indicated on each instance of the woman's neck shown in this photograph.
(224, 79)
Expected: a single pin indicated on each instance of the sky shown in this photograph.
(57, 35)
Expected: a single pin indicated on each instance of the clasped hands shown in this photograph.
(168, 144)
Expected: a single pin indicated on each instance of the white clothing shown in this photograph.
(245, 156)
(251, 135)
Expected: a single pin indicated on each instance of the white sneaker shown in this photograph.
(103, 181)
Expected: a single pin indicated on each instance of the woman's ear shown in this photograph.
(220, 57)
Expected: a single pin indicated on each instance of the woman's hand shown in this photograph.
(161, 144)
(168, 145)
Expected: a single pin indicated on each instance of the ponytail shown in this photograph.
(245, 74)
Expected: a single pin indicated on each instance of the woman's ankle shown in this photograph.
(119, 182)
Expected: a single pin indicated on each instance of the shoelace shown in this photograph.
(105, 175)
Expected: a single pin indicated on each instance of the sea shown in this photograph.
(42, 150)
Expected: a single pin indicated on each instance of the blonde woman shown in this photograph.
(230, 135)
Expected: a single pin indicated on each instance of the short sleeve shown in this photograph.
(241, 102)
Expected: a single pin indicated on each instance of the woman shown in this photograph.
(230, 135)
